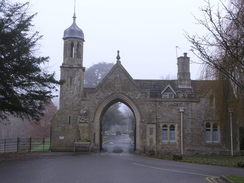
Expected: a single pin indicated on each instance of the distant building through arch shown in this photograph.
(117, 97)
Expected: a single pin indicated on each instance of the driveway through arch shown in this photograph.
(103, 106)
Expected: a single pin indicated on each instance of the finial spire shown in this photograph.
(118, 57)
(74, 16)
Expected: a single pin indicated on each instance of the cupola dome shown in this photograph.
(74, 31)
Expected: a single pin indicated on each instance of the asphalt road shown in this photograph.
(120, 143)
(105, 168)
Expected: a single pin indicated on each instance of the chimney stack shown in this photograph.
(184, 75)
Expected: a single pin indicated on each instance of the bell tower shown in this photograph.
(72, 70)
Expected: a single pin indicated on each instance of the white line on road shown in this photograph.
(170, 170)
(211, 179)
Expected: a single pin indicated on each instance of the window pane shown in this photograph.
(165, 133)
(172, 133)
(208, 125)
(208, 136)
(165, 127)
(215, 136)
(208, 132)
(215, 127)
(215, 133)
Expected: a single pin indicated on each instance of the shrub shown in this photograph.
(177, 157)
(151, 152)
(240, 164)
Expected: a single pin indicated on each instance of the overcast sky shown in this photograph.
(145, 32)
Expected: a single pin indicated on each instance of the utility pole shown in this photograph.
(181, 130)
(156, 138)
(231, 131)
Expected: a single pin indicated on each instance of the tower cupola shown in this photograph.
(73, 31)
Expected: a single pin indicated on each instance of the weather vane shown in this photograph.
(74, 17)
(74, 6)
(176, 51)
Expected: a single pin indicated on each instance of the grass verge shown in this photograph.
(207, 159)
(235, 179)
(215, 160)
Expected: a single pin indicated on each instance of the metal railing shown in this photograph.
(24, 144)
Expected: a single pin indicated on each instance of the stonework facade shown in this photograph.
(172, 116)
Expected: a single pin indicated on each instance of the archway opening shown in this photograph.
(117, 128)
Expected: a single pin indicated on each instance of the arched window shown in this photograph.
(69, 120)
(211, 100)
(78, 50)
(172, 133)
(208, 132)
(165, 133)
(70, 81)
(150, 131)
(215, 133)
(72, 50)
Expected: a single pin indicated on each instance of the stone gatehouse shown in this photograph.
(172, 116)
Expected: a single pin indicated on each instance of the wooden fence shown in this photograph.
(24, 144)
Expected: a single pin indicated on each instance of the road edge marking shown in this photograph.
(170, 170)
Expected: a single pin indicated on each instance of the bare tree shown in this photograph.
(222, 48)
(95, 74)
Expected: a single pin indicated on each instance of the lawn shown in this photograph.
(235, 179)
(40, 144)
(40, 147)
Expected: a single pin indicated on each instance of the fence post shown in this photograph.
(30, 145)
(4, 145)
(43, 144)
(17, 144)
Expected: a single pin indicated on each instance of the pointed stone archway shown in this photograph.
(102, 107)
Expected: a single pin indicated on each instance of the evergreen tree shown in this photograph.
(24, 86)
